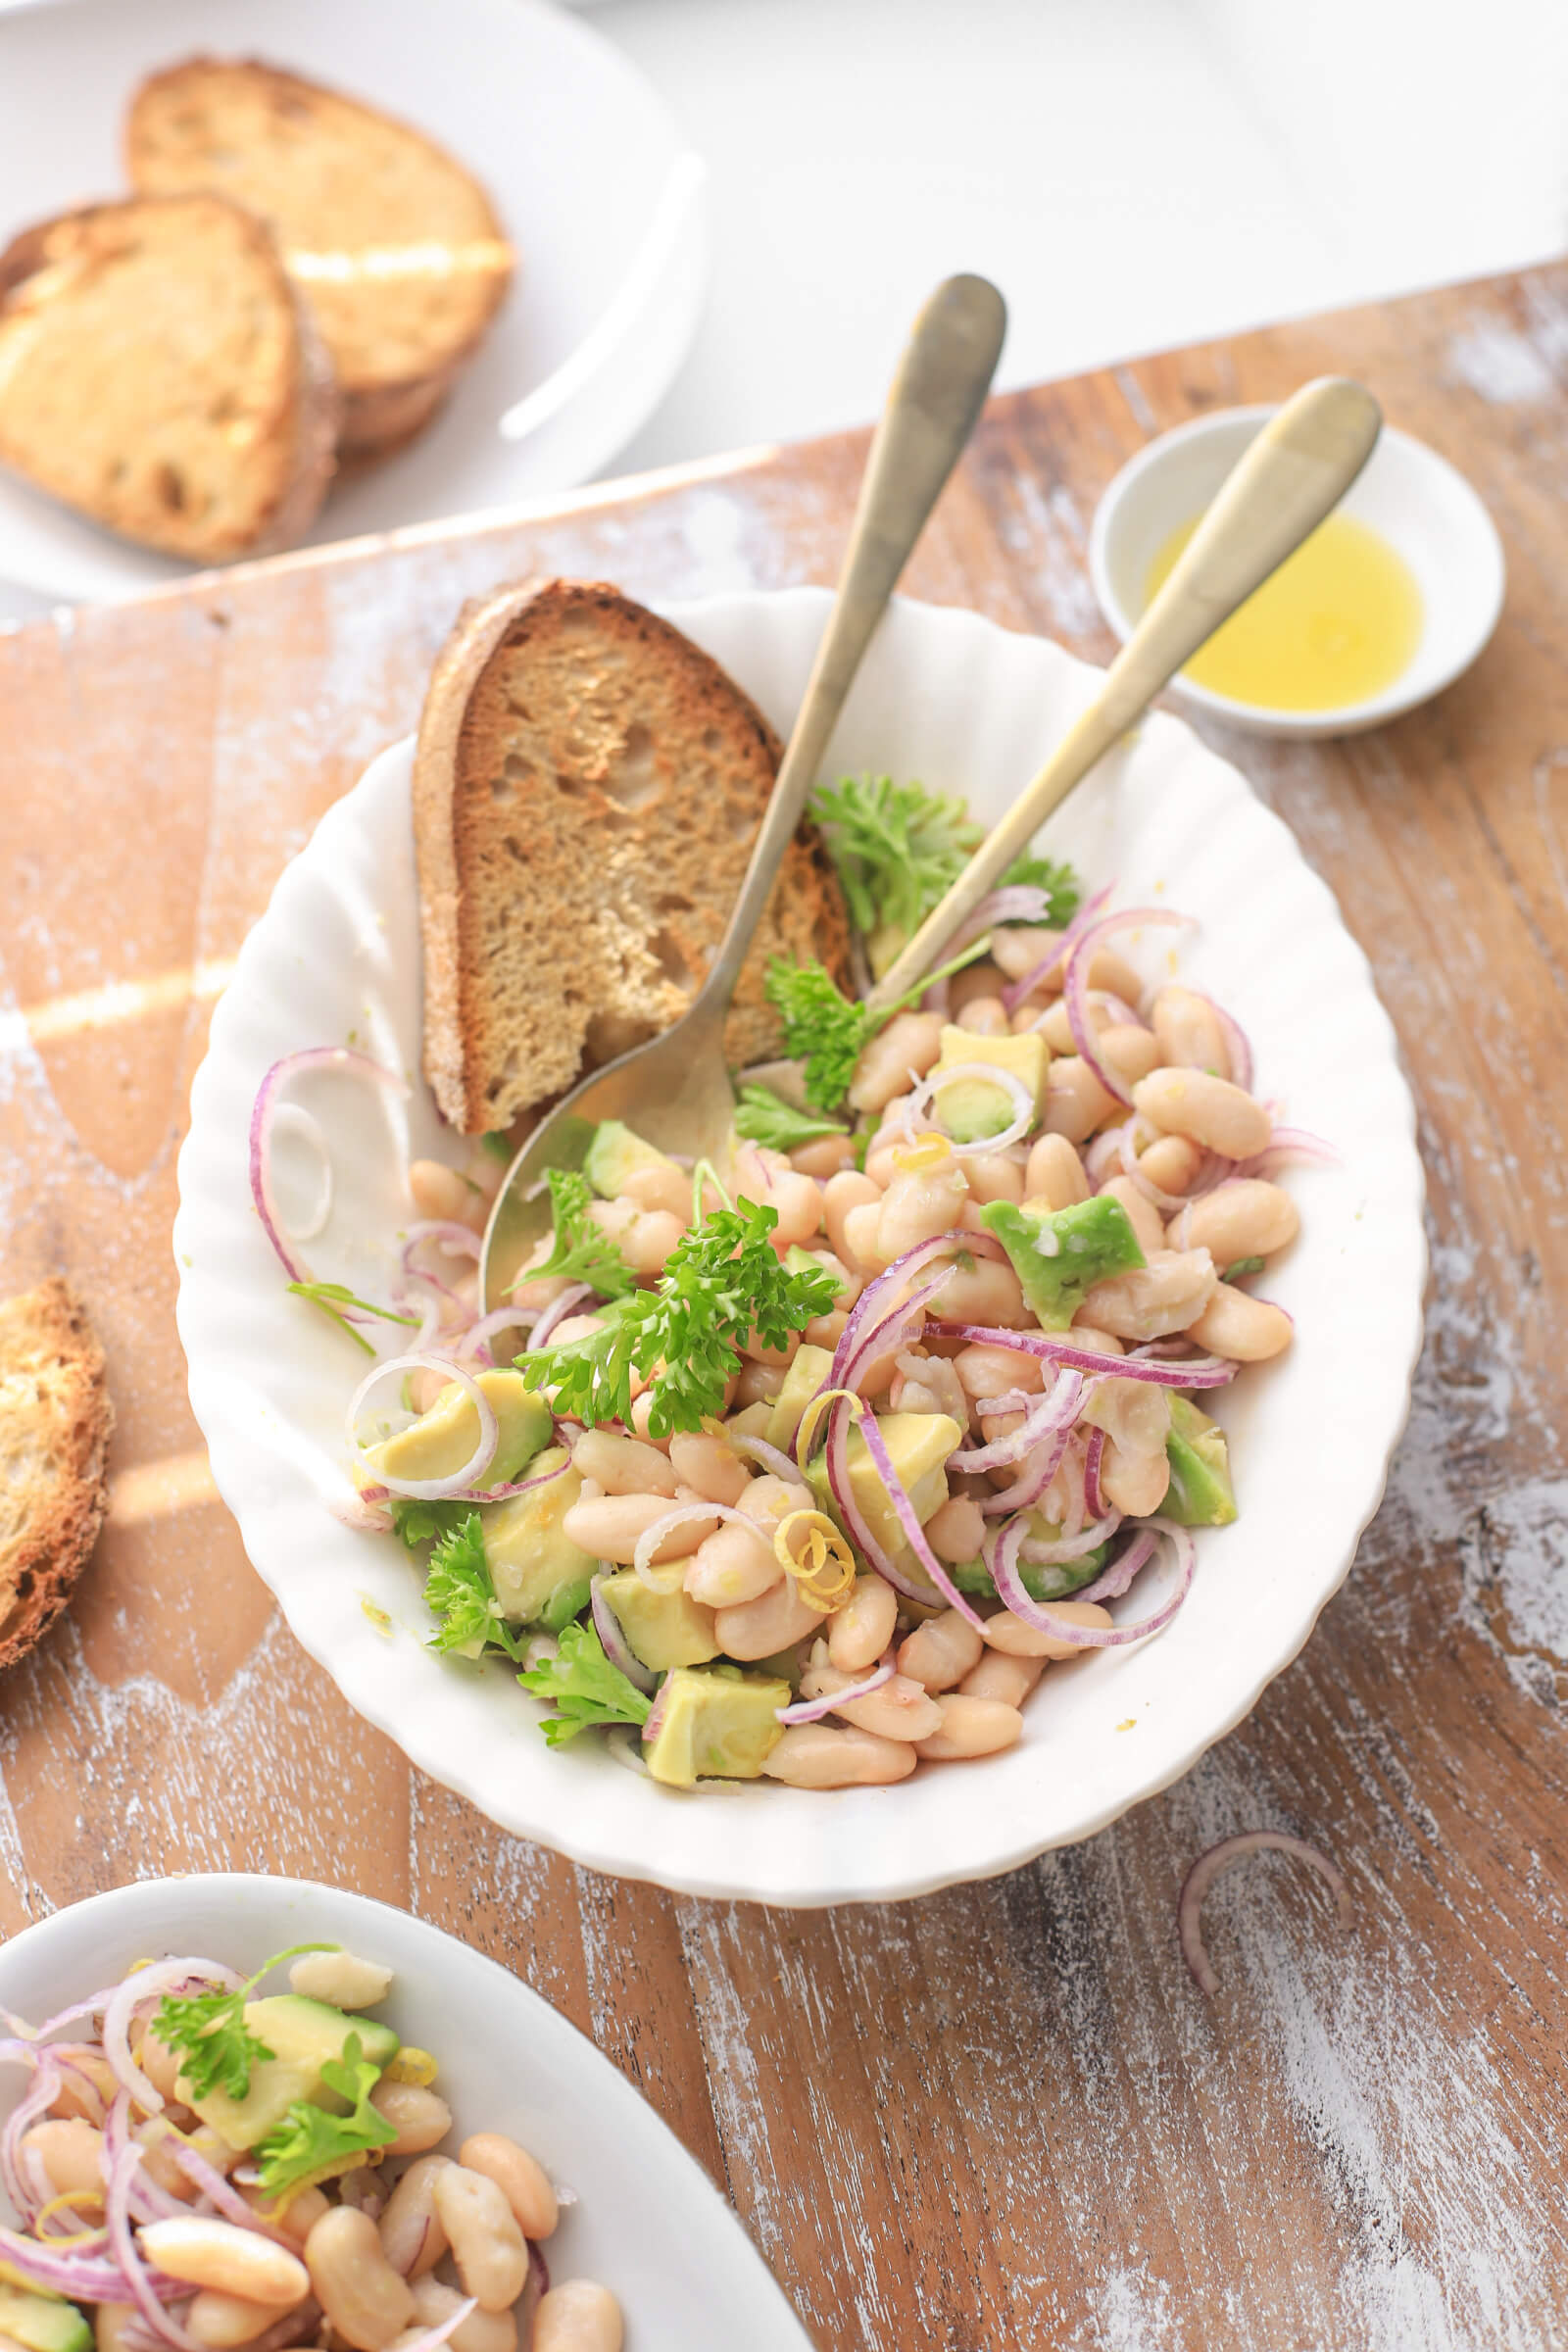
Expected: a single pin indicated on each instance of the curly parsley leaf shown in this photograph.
(830, 1031)
(722, 1280)
(309, 2142)
(581, 1253)
(460, 1593)
(419, 1523)
(763, 1118)
(216, 2047)
(584, 1688)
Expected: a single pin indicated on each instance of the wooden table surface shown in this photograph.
(1002, 2115)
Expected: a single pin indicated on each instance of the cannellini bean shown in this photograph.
(1189, 1032)
(841, 1193)
(110, 2322)
(159, 2063)
(360, 2293)
(768, 1500)
(956, 1531)
(1133, 1412)
(440, 1192)
(762, 1352)
(1055, 1028)
(971, 1726)
(1076, 1103)
(487, 2245)
(858, 1633)
(413, 2237)
(579, 2317)
(797, 1199)
(75, 2096)
(644, 1236)
(707, 1466)
(1136, 1483)
(1019, 947)
(986, 1291)
(919, 1205)
(71, 2152)
(912, 1041)
(341, 1979)
(420, 2117)
(481, 2332)
(1115, 975)
(623, 1465)
(984, 1016)
(994, 1176)
(1054, 1176)
(1103, 1342)
(1130, 1050)
(817, 1755)
(998, 1676)
(862, 1245)
(520, 2177)
(731, 1566)
(1016, 1639)
(1154, 1301)
(760, 1628)
(206, 2251)
(668, 1189)
(223, 2321)
(1172, 1162)
(609, 1524)
(1244, 1218)
(823, 1157)
(571, 1327)
(928, 1384)
(826, 1330)
(297, 2219)
(1207, 1110)
(987, 1371)
(1236, 1324)
(902, 1709)
(1142, 1214)
(1027, 1016)
(759, 1384)
(939, 1653)
(975, 982)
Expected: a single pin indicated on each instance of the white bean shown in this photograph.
(760, 1628)
(1134, 1483)
(998, 1676)
(1129, 1049)
(1142, 1214)
(707, 1466)
(840, 1195)
(664, 1188)
(644, 1236)
(957, 1530)
(971, 1726)
(1208, 1110)
(1189, 1032)
(1245, 1218)
(1018, 948)
(341, 1979)
(817, 1756)
(1076, 1103)
(731, 1566)
(859, 1632)
(823, 1157)
(1056, 1027)
(609, 1526)
(987, 1371)
(70, 2152)
(1152, 1300)
(860, 1245)
(912, 1041)
(109, 2323)
(223, 2321)
(1054, 1176)
(159, 2063)
(206, 2251)
(579, 2317)
(1016, 1639)
(986, 1291)
(297, 2219)
(441, 1192)
(623, 1465)
(1172, 1162)
(994, 1176)
(984, 1016)
(356, 2285)
(413, 2237)
(1238, 1325)
(520, 2177)
(419, 2116)
(940, 1653)
(486, 2242)
(900, 1710)
(481, 2332)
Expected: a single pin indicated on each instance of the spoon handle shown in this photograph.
(931, 408)
(1295, 472)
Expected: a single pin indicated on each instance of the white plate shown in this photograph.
(649, 2224)
(574, 145)
(967, 708)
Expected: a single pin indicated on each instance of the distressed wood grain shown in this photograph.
(1000, 2117)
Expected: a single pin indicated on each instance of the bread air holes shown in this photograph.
(632, 779)
(610, 1034)
(673, 961)
(514, 772)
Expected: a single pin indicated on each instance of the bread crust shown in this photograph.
(312, 406)
(52, 1393)
(560, 851)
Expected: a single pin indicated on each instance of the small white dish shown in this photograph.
(1417, 502)
(592, 179)
(648, 2222)
(969, 708)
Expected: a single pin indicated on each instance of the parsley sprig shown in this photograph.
(584, 1688)
(460, 1590)
(219, 2048)
(898, 849)
(721, 1282)
(309, 2142)
(829, 1030)
(581, 1253)
(763, 1118)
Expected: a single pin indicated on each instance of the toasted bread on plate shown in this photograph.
(55, 1420)
(586, 791)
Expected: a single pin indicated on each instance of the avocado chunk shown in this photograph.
(1200, 1494)
(537, 1570)
(613, 1155)
(664, 1629)
(972, 1109)
(802, 1381)
(716, 1722)
(1059, 1254)
(1040, 1581)
(303, 2035)
(918, 1445)
(42, 2324)
(442, 1440)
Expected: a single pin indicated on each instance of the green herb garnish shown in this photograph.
(460, 1591)
(498, 1144)
(830, 1031)
(584, 1688)
(309, 2140)
(763, 1118)
(330, 1295)
(419, 1523)
(1241, 1268)
(210, 2030)
(581, 1253)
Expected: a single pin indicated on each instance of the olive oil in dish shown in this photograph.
(1337, 624)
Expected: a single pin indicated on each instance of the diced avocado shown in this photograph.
(613, 1155)
(303, 2035)
(918, 1445)
(715, 1722)
(42, 2324)
(1200, 1494)
(1039, 1582)
(535, 1564)
(1059, 1254)
(442, 1440)
(971, 1109)
(665, 1629)
(802, 1381)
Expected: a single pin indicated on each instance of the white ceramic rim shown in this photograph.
(1349, 718)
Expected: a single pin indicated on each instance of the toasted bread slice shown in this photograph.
(55, 1420)
(394, 245)
(159, 374)
(586, 791)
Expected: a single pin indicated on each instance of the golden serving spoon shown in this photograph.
(675, 1091)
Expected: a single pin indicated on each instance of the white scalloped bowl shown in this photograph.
(967, 708)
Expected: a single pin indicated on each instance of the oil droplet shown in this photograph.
(1336, 624)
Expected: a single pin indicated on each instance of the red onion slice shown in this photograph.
(27, 2193)
(922, 1103)
(150, 1985)
(1202, 1372)
(315, 1058)
(1044, 1416)
(1013, 996)
(1094, 1452)
(366, 1518)
(812, 1710)
(914, 1532)
(613, 1642)
(457, 1239)
(1033, 1481)
(1041, 1552)
(433, 1489)
(479, 1335)
(681, 1514)
(1002, 1558)
(1287, 1145)
(773, 1458)
(134, 2272)
(1209, 1867)
(80, 2274)
(1115, 1580)
(556, 1312)
(880, 1299)
(145, 2200)
(1075, 986)
(1236, 1043)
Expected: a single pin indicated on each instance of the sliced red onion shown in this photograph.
(433, 1489)
(882, 1299)
(1094, 1452)
(1237, 1046)
(1075, 987)
(1042, 1551)
(82, 2085)
(1287, 1145)
(772, 1457)
(1057, 1409)
(1115, 1580)
(658, 1711)
(316, 1135)
(812, 1710)
(292, 2328)
(1104, 1154)
(1016, 902)
(922, 1103)
(150, 1985)
(457, 1239)
(217, 2190)
(914, 1532)
(613, 1642)
(135, 2274)
(79, 2274)
(681, 1514)
(315, 1058)
(860, 1533)
(1013, 996)
(1034, 1474)
(515, 1486)
(1208, 1868)
(1002, 1558)
(26, 2192)
(1202, 1372)
(572, 1298)
(1106, 1000)
(479, 1335)
(370, 1518)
